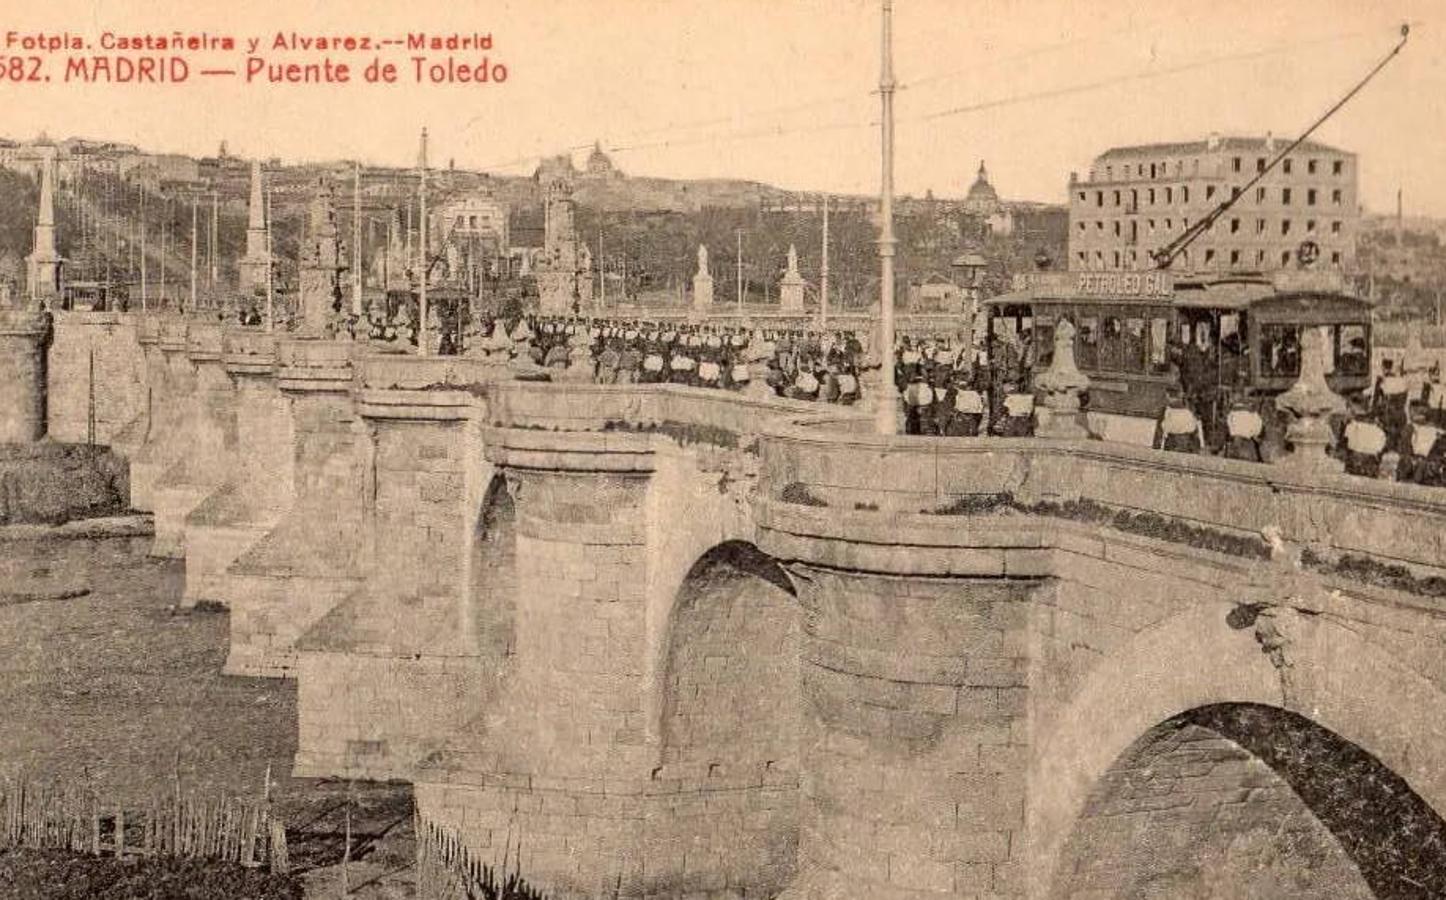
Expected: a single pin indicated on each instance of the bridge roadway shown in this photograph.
(662, 641)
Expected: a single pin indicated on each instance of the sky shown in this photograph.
(785, 91)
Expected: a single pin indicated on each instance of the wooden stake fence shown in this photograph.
(448, 870)
(45, 816)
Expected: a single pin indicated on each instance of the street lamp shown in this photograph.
(886, 414)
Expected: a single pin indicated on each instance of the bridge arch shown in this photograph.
(1198, 683)
(731, 713)
(1246, 800)
(492, 591)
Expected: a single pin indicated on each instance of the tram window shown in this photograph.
(1159, 346)
(1352, 357)
(1088, 348)
(1280, 351)
(1133, 340)
(1110, 344)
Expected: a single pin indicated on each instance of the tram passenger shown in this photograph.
(1179, 428)
(1243, 427)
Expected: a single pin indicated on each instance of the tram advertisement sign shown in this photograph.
(1097, 284)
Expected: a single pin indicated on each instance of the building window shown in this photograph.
(1260, 195)
(1099, 198)
(1152, 170)
(1234, 192)
(1260, 226)
(1169, 224)
(1336, 196)
(1310, 197)
(1117, 198)
(1337, 167)
(1260, 257)
(1169, 195)
(1335, 257)
(1099, 259)
(1152, 196)
(1335, 228)
(1310, 167)
(1285, 257)
(1117, 228)
(1081, 257)
(1235, 257)
(1209, 257)
(1151, 223)
(1234, 226)
(1117, 259)
(1285, 196)
(1110, 172)
(1310, 226)
(1100, 225)
(1284, 227)
(1185, 195)
(1260, 164)
(1236, 164)
(1082, 226)
(1286, 166)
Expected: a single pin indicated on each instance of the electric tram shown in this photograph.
(1216, 338)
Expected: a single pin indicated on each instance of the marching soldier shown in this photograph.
(918, 397)
(1243, 428)
(1365, 443)
(1421, 463)
(968, 409)
(1179, 428)
(1018, 419)
(1390, 406)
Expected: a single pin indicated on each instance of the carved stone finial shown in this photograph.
(1311, 401)
(1062, 384)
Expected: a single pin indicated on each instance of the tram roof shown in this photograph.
(1238, 291)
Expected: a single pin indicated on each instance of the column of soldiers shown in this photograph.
(1398, 429)
(957, 391)
(794, 364)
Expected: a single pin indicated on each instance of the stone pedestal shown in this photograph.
(703, 293)
(23, 337)
(1062, 383)
(1312, 402)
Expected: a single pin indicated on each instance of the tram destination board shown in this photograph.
(1097, 284)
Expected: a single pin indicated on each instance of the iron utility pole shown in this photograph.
(823, 273)
(143, 248)
(211, 240)
(740, 271)
(886, 414)
(193, 254)
(602, 269)
(270, 267)
(422, 348)
(356, 250)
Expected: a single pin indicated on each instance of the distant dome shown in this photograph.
(598, 162)
(982, 196)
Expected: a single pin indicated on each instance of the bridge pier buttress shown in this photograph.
(257, 485)
(208, 437)
(170, 380)
(313, 557)
(23, 337)
(396, 669)
(916, 682)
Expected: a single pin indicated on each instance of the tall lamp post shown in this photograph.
(886, 413)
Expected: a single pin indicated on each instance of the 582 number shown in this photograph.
(20, 68)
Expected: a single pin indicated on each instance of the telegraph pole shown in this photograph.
(270, 266)
(886, 414)
(143, 247)
(211, 239)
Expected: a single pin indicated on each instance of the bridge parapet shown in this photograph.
(249, 350)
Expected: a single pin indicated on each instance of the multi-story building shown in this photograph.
(1137, 200)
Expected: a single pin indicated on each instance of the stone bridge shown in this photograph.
(658, 641)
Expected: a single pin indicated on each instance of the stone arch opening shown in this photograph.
(494, 570)
(1244, 800)
(731, 713)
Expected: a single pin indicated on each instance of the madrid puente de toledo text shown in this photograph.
(610, 584)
